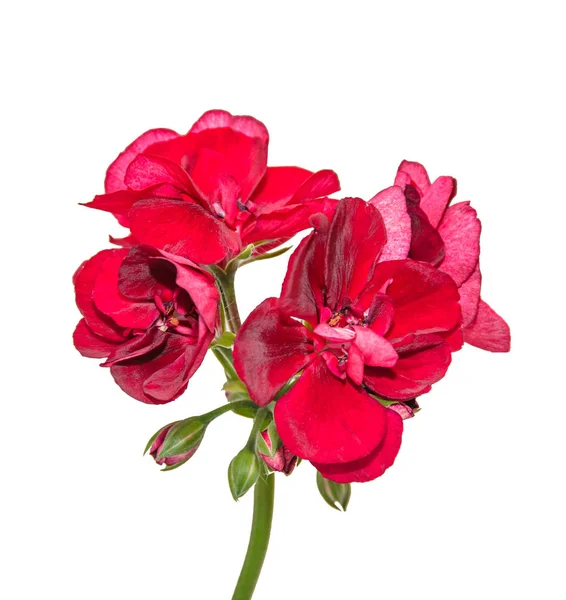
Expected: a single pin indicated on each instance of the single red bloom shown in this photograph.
(350, 324)
(205, 195)
(153, 320)
(448, 237)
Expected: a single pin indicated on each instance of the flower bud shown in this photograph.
(334, 493)
(243, 472)
(405, 410)
(278, 457)
(175, 443)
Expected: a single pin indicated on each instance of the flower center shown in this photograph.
(174, 318)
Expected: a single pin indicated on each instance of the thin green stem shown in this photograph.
(234, 406)
(225, 281)
(259, 537)
(224, 356)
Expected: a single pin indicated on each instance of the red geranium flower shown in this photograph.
(152, 320)
(350, 324)
(425, 227)
(205, 195)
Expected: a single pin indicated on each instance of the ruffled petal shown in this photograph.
(278, 186)
(203, 292)
(355, 240)
(413, 374)
(373, 465)
(116, 171)
(118, 203)
(425, 299)
(269, 349)
(393, 208)
(183, 229)
(329, 420)
(437, 198)
(426, 243)
(219, 119)
(89, 344)
(488, 331)
(460, 231)
(149, 171)
(142, 275)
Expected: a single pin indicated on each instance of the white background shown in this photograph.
(474, 506)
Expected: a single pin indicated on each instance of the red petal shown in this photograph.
(301, 293)
(109, 300)
(84, 280)
(132, 374)
(217, 119)
(355, 240)
(425, 299)
(437, 198)
(118, 203)
(488, 331)
(426, 243)
(373, 465)
(392, 205)
(89, 344)
(148, 171)
(413, 374)
(376, 350)
(418, 176)
(278, 187)
(142, 276)
(470, 296)
(269, 349)
(321, 183)
(184, 229)
(326, 419)
(203, 292)
(117, 170)
(460, 231)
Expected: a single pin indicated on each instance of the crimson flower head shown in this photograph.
(153, 320)
(205, 195)
(424, 225)
(351, 327)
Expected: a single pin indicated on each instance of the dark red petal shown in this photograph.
(329, 420)
(470, 296)
(426, 242)
(142, 276)
(355, 240)
(84, 280)
(301, 294)
(425, 299)
(89, 344)
(117, 170)
(203, 292)
(139, 345)
(108, 299)
(132, 374)
(392, 205)
(417, 174)
(373, 465)
(437, 198)
(488, 331)
(269, 349)
(413, 374)
(460, 231)
(183, 229)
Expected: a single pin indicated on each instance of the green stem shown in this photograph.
(228, 295)
(259, 538)
(234, 406)
(224, 356)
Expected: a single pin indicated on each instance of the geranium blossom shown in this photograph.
(151, 319)
(423, 225)
(205, 195)
(351, 325)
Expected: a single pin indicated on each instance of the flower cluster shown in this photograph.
(376, 299)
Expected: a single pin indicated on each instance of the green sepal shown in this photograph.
(287, 386)
(152, 439)
(235, 385)
(171, 467)
(182, 437)
(266, 255)
(336, 495)
(226, 340)
(276, 442)
(243, 472)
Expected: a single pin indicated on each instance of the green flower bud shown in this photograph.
(174, 444)
(243, 472)
(334, 494)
